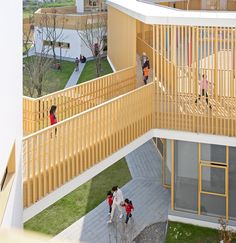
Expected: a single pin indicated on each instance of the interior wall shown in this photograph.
(121, 39)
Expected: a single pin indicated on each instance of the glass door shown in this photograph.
(213, 180)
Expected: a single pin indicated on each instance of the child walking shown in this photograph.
(128, 208)
(146, 67)
(110, 200)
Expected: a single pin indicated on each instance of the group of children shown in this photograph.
(115, 199)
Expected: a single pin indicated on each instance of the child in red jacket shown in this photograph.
(128, 208)
(110, 200)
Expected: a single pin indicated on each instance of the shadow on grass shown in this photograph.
(79, 202)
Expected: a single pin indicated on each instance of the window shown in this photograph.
(57, 44)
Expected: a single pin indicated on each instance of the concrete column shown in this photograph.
(80, 6)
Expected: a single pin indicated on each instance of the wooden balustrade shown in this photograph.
(76, 99)
(182, 55)
(58, 153)
(67, 18)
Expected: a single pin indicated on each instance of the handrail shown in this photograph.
(76, 85)
(81, 113)
(76, 99)
(58, 153)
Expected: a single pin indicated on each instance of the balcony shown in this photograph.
(180, 56)
(209, 5)
(66, 17)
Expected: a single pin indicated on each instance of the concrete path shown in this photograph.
(150, 199)
(75, 76)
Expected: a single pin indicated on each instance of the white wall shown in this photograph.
(80, 6)
(11, 102)
(77, 46)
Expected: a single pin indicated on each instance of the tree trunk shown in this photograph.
(54, 54)
(40, 86)
(98, 65)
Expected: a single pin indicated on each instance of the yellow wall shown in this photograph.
(121, 39)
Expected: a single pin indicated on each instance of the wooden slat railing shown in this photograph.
(76, 99)
(58, 153)
(182, 55)
(66, 18)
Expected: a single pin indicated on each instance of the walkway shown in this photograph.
(150, 199)
(75, 76)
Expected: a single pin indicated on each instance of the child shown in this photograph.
(128, 208)
(110, 200)
(53, 119)
(76, 64)
(145, 73)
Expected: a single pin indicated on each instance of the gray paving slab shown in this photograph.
(150, 199)
(75, 76)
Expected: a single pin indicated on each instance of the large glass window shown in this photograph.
(213, 205)
(213, 179)
(214, 153)
(213, 190)
(186, 176)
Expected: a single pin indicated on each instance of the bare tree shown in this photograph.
(53, 25)
(35, 71)
(93, 33)
(226, 233)
(38, 62)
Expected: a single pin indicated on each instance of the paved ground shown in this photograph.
(75, 76)
(150, 200)
(155, 233)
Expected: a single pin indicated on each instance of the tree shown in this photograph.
(93, 33)
(226, 233)
(52, 24)
(38, 62)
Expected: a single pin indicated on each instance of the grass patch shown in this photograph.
(26, 48)
(182, 233)
(30, 8)
(76, 204)
(89, 71)
(55, 79)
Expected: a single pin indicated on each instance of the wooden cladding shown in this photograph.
(65, 19)
(58, 153)
(76, 99)
(182, 55)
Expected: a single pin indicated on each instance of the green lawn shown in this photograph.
(89, 71)
(26, 48)
(79, 202)
(55, 79)
(32, 7)
(183, 233)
